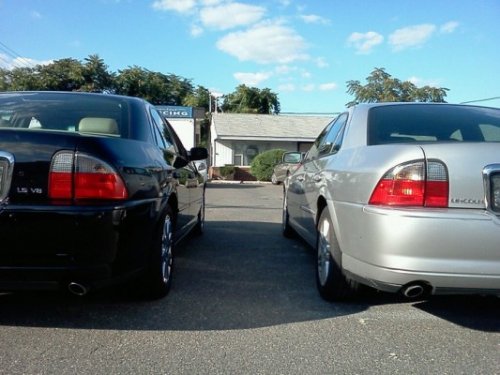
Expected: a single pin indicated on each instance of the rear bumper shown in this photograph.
(54, 278)
(48, 247)
(393, 280)
(451, 250)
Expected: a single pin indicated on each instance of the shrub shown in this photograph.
(263, 164)
(227, 171)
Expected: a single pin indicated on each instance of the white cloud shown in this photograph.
(265, 43)
(414, 80)
(36, 15)
(411, 36)
(252, 79)
(314, 18)
(285, 69)
(309, 87)
(364, 43)
(216, 93)
(306, 74)
(181, 6)
(196, 30)
(286, 87)
(321, 63)
(420, 82)
(328, 86)
(7, 62)
(230, 15)
(211, 2)
(449, 27)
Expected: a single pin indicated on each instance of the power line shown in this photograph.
(5, 62)
(17, 60)
(481, 100)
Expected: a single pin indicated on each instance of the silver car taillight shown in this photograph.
(413, 184)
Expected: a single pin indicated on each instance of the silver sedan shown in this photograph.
(402, 197)
(289, 163)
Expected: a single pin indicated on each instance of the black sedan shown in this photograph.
(94, 189)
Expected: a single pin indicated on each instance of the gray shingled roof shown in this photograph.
(282, 127)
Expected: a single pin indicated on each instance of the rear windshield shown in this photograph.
(432, 123)
(87, 114)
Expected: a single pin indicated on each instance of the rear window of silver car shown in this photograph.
(432, 123)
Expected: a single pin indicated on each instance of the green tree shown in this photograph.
(20, 79)
(133, 81)
(200, 97)
(96, 75)
(382, 87)
(155, 87)
(5, 79)
(268, 102)
(178, 89)
(61, 75)
(251, 100)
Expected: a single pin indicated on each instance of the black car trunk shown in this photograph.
(22, 233)
(32, 152)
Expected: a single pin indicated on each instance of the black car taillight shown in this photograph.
(81, 176)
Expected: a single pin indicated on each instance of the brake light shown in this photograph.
(413, 184)
(61, 176)
(81, 176)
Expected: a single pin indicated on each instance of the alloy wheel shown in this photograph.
(166, 250)
(324, 257)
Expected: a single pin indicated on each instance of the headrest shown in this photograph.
(99, 125)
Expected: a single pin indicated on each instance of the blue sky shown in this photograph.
(303, 50)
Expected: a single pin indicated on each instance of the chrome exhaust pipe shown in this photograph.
(78, 289)
(415, 290)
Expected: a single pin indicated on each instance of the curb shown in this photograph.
(232, 182)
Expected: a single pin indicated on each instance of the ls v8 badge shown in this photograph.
(25, 190)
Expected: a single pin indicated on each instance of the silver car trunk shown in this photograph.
(465, 163)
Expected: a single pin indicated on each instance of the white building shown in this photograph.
(185, 121)
(237, 138)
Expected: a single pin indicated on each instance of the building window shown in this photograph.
(238, 159)
(251, 152)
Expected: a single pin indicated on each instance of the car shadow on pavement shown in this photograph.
(475, 312)
(238, 275)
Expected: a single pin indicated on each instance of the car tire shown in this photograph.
(274, 179)
(157, 280)
(285, 219)
(330, 280)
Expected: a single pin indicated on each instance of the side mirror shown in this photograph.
(198, 153)
(292, 157)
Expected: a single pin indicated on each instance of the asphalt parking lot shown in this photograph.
(244, 301)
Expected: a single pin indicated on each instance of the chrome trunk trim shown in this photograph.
(488, 171)
(6, 170)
